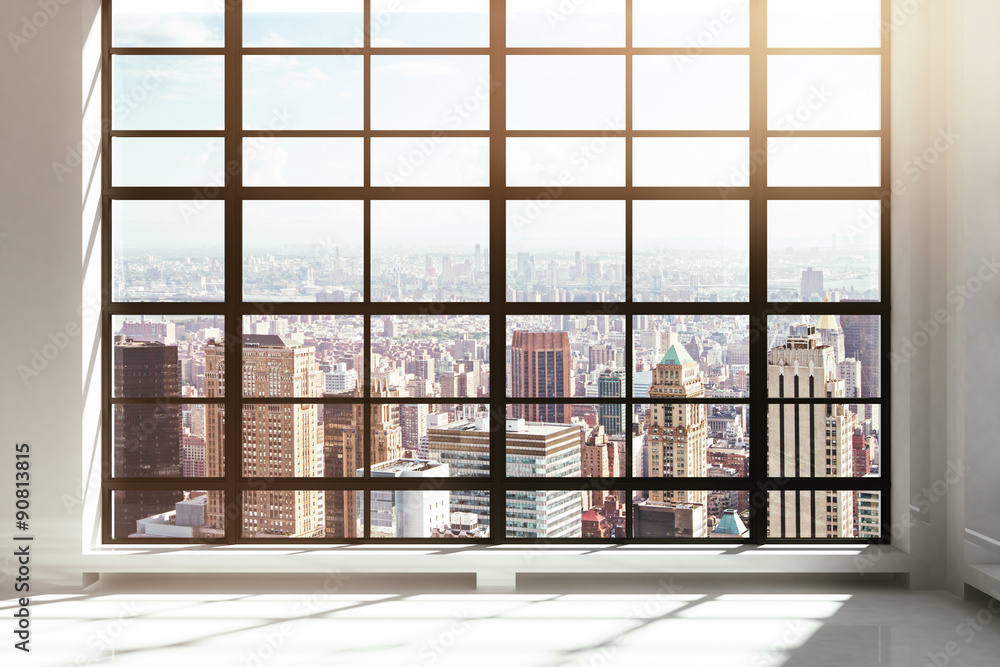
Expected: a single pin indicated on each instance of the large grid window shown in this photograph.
(496, 272)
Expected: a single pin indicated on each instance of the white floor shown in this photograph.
(677, 622)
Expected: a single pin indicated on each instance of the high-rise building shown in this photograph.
(541, 368)
(599, 457)
(405, 513)
(678, 432)
(808, 440)
(341, 380)
(147, 438)
(278, 440)
(413, 424)
(862, 341)
(611, 384)
(192, 455)
(812, 285)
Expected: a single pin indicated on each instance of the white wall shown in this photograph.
(945, 59)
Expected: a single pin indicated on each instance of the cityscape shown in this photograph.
(693, 369)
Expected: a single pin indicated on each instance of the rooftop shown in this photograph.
(676, 356)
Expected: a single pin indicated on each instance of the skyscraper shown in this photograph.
(812, 285)
(678, 432)
(808, 440)
(611, 384)
(147, 438)
(541, 368)
(278, 440)
(406, 513)
(862, 341)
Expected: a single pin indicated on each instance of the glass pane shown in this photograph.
(169, 440)
(303, 23)
(824, 93)
(824, 356)
(158, 356)
(842, 162)
(168, 250)
(430, 92)
(693, 439)
(176, 515)
(289, 356)
(303, 161)
(834, 256)
(554, 356)
(285, 441)
(295, 514)
(695, 24)
(824, 514)
(303, 92)
(432, 355)
(426, 23)
(177, 161)
(705, 93)
(690, 514)
(167, 93)
(427, 514)
(595, 23)
(566, 92)
(550, 515)
(307, 251)
(824, 24)
(174, 23)
(566, 162)
(824, 440)
(691, 250)
(691, 356)
(691, 161)
(430, 161)
(543, 264)
(457, 435)
(410, 264)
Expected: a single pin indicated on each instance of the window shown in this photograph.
(668, 221)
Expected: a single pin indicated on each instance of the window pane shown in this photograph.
(691, 250)
(410, 264)
(824, 440)
(138, 161)
(430, 92)
(158, 356)
(168, 250)
(566, 162)
(690, 514)
(168, 440)
(289, 356)
(308, 251)
(303, 92)
(820, 23)
(432, 355)
(430, 161)
(427, 514)
(303, 161)
(549, 515)
(692, 439)
(295, 514)
(691, 356)
(303, 23)
(168, 514)
(824, 514)
(283, 440)
(824, 356)
(167, 93)
(565, 92)
(840, 162)
(701, 93)
(691, 162)
(835, 256)
(823, 93)
(695, 24)
(426, 23)
(173, 23)
(560, 356)
(544, 264)
(596, 23)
